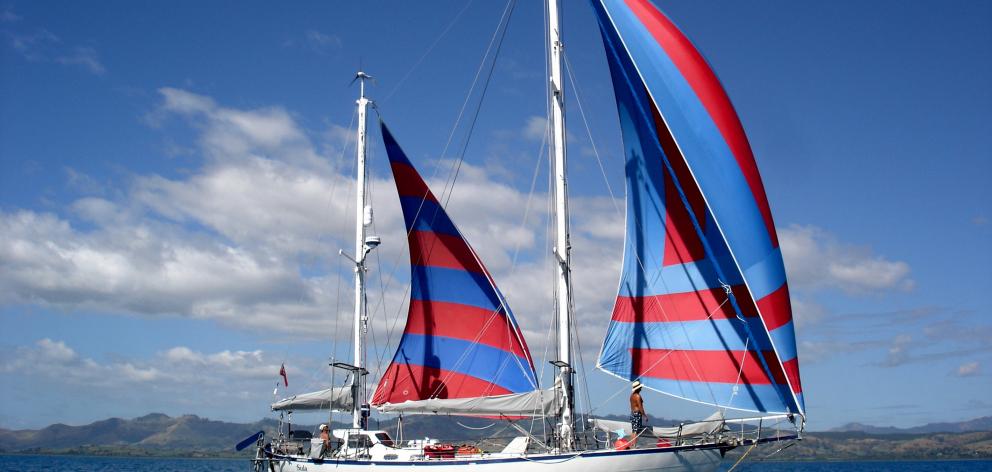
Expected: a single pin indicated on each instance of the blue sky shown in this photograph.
(174, 186)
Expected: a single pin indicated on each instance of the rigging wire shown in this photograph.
(507, 16)
(428, 51)
(500, 32)
(502, 28)
(337, 297)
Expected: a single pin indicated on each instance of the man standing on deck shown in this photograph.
(637, 415)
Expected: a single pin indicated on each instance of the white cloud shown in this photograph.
(816, 259)
(968, 369)
(322, 43)
(176, 368)
(806, 312)
(250, 239)
(55, 350)
(536, 128)
(34, 46)
(44, 46)
(85, 57)
(898, 351)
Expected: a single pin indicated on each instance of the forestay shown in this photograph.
(460, 340)
(703, 309)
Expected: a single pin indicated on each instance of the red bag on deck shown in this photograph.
(622, 444)
(440, 451)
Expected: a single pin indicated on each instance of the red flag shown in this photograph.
(282, 372)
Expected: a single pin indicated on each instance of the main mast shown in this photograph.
(363, 216)
(562, 247)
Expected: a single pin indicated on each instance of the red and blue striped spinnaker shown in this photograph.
(460, 340)
(703, 310)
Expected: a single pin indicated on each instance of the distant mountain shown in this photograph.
(150, 432)
(975, 425)
(158, 434)
(193, 436)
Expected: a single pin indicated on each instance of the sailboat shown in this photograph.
(702, 311)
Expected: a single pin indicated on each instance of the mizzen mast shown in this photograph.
(562, 248)
(363, 245)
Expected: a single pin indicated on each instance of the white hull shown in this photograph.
(676, 459)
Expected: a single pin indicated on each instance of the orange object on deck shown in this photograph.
(622, 444)
(468, 450)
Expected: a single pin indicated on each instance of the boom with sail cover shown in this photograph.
(334, 398)
(703, 309)
(461, 340)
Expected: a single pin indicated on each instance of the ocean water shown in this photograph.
(119, 464)
(863, 466)
(131, 464)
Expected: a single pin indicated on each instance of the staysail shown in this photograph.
(703, 309)
(461, 340)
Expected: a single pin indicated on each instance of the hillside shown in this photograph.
(193, 436)
(978, 424)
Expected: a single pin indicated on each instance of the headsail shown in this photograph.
(460, 340)
(703, 310)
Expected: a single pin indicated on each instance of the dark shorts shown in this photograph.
(636, 423)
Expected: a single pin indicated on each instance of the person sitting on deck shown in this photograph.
(637, 415)
(325, 437)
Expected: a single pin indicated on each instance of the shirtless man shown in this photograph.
(637, 415)
(326, 439)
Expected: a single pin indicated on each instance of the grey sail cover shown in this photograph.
(336, 398)
(535, 403)
(710, 425)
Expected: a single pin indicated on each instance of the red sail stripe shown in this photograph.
(454, 320)
(409, 183)
(428, 248)
(402, 382)
(714, 98)
(682, 242)
(792, 370)
(776, 308)
(686, 306)
(705, 366)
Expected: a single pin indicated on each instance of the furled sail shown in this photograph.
(536, 403)
(335, 398)
(703, 309)
(460, 340)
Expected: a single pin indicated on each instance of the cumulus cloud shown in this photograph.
(55, 360)
(176, 368)
(250, 238)
(816, 259)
